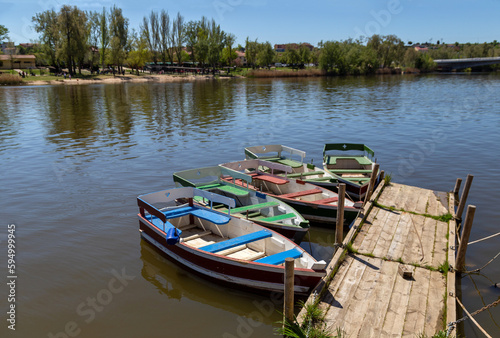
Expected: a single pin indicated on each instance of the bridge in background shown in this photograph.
(450, 64)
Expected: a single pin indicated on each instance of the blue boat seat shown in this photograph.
(231, 243)
(280, 257)
(203, 213)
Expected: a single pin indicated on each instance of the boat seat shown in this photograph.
(227, 188)
(332, 160)
(269, 178)
(159, 223)
(302, 193)
(280, 257)
(350, 171)
(231, 243)
(279, 217)
(252, 207)
(201, 234)
(307, 173)
(202, 213)
(290, 163)
(326, 200)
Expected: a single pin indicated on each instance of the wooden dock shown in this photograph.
(399, 231)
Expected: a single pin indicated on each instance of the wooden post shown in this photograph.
(457, 186)
(382, 175)
(372, 183)
(289, 293)
(339, 231)
(464, 241)
(463, 198)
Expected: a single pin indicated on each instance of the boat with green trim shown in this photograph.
(294, 158)
(260, 208)
(352, 164)
(315, 203)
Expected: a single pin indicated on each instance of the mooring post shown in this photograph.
(457, 186)
(382, 175)
(464, 238)
(372, 183)
(463, 198)
(288, 305)
(339, 230)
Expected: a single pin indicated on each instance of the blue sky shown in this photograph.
(296, 21)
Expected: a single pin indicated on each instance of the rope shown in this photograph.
(452, 325)
(477, 270)
(485, 238)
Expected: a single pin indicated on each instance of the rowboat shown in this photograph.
(315, 203)
(294, 158)
(351, 164)
(250, 204)
(226, 249)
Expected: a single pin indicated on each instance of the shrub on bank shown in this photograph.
(278, 73)
(10, 79)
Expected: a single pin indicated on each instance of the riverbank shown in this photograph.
(119, 79)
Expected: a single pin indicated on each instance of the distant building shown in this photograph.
(241, 58)
(280, 48)
(17, 61)
(421, 49)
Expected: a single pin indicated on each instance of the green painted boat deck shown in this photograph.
(279, 217)
(362, 160)
(255, 207)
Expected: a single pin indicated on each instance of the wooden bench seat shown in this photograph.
(326, 200)
(302, 193)
(306, 173)
(236, 241)
(362, 160)
(253, 207)
(269, 178)
(280, 257)
(350, 171)
(277, 218)
(202, 213)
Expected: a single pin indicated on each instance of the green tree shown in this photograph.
(164, 37)
(93, 37)
(150, 29)
(178, 37)
(72, 28)
(139, 54)
(104, 36)
(229, 55)
(304, 54)
(251, 50)
(3, 33)
(45, 23)
(119, 37)
(216, 39)
(265, 55)
(291, 56)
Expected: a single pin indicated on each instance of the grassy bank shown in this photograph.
(10, 79)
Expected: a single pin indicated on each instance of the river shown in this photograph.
(73, 159)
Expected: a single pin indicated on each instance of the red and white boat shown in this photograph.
(221, 247)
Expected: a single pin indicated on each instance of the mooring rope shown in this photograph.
(491, 260)
(485, 238)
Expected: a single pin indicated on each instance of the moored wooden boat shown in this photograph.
(294, 158)
(351, 164)
(221, 247)
(315, 203)
(250, 204)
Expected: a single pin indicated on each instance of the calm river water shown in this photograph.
(73, 159)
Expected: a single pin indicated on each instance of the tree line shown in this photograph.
(76, 39)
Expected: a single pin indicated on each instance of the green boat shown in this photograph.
(260, 208)
(352, 164)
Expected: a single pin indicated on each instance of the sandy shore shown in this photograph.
(126, 78)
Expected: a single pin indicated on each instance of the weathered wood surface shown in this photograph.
(367, 297)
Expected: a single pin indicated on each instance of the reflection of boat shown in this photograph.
(351, 164)
(294, 158)
(222, 247)
(259, 208)
(313, 202)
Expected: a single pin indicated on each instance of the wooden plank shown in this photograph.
(378, 303)
(386, 235)
(440, 244)
(400, 237)
(365, 229)
(451, 304)
(417, 304)
(375, 232)
(396, 312)
(435, 304)
(423, 199)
